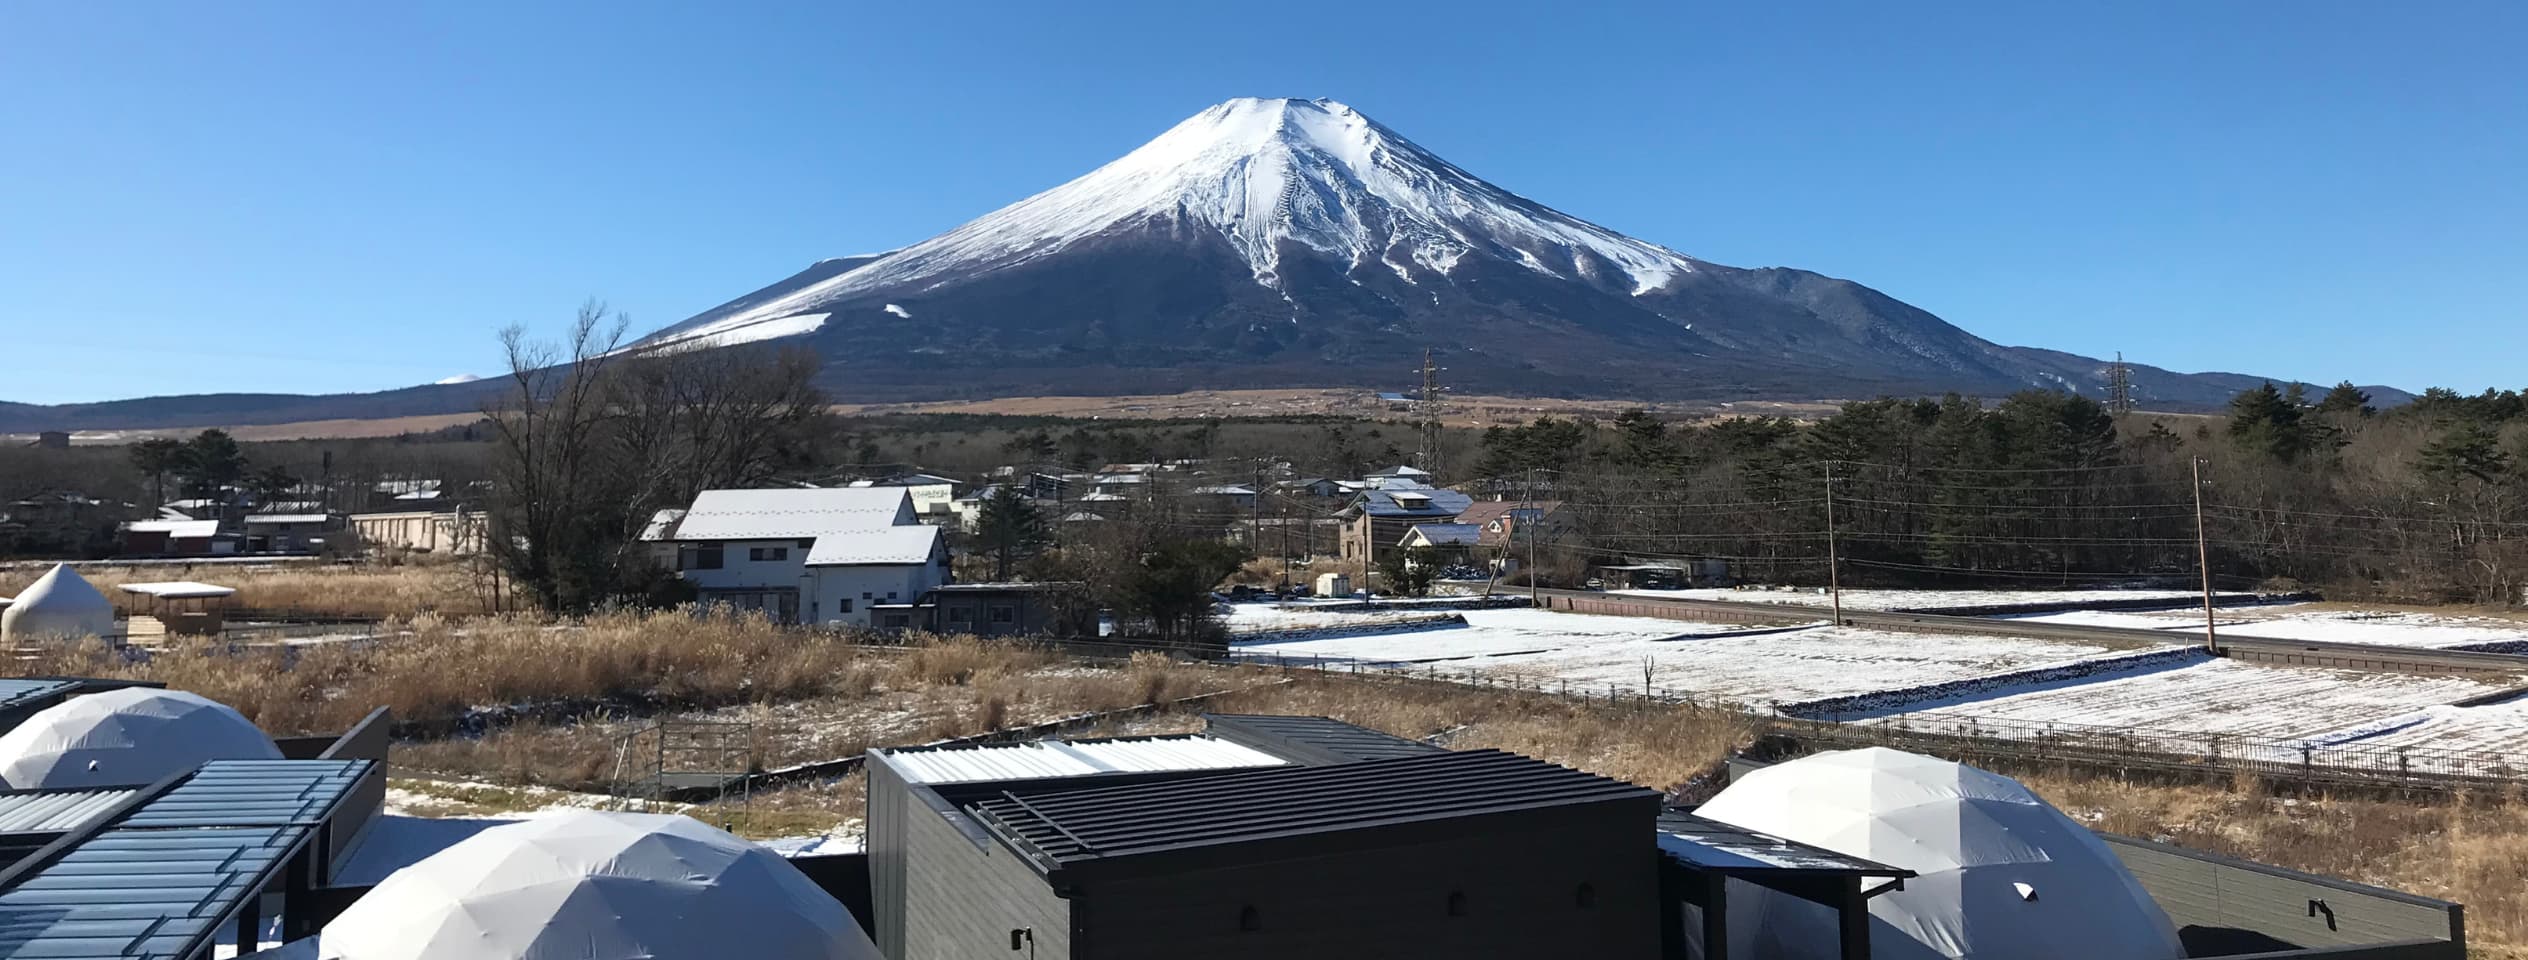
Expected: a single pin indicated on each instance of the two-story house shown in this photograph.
(821, 556)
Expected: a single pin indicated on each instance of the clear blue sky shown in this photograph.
(328, 197)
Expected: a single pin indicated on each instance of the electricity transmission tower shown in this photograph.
(2119, 386)
(1429, 403)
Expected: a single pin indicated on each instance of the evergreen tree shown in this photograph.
(1011, 528)
(2346, 399)
(272, 484)
(211, 460)
(158, 457)
(2266, 421)
(2467, 451)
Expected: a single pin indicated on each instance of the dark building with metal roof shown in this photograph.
(1353, 844)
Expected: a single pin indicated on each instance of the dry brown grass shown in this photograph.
(439, 672)
(363, 590)
(2473, 850)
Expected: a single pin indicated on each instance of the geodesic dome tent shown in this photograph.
(126, 738)
(590, 885)
(2002, 873)
(59, 605)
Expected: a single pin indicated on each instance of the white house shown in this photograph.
(933, 496)
(805, 555)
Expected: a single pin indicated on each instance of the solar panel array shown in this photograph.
(162, 881)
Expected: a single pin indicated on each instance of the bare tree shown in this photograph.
(594, 439)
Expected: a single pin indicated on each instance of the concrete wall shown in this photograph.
(1519, 889)
(2227, 906)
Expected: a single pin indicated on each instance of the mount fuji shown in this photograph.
(1294, 243)
(1276, 242)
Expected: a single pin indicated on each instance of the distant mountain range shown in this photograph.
(1298, 243)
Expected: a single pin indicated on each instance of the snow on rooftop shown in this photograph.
(793, 513)
(1055, 758)
(910, 543)
(177, 529)
(179, 590)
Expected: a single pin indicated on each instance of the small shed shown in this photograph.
(178, 608)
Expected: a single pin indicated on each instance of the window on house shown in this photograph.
(961, 614)
(843, 605)
(1004, 613)
(763, 554)
(707, 557)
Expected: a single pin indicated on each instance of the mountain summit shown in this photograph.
(1296, 243)
(1278, 242)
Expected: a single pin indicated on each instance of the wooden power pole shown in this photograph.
(2203, 562)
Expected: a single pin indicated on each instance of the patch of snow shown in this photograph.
(2300, 621)
(1919, 599)
(899, 310)
(452, 381)
(2219, 696)
(745, 327)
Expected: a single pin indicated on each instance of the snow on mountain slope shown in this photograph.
(1261, 172)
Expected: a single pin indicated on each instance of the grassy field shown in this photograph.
(509, 714)
(322, 589)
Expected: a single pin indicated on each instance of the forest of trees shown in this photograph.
(2425, 502)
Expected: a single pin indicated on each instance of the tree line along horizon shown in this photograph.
(2425, 502)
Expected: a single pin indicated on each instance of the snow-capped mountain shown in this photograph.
(1273, 242)
(1294, 243)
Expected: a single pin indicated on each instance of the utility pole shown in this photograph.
(1834, 575)
(1519, 528)
(1255, 508)
(2203, 560)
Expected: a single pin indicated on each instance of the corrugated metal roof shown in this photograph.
(253, 793)
(141, 893)
(1106, 828)
(56, 811)
(1725, 848)
(793, 514)
(166, 878)
(1312, 740)
(910, 543)
(1054, 758)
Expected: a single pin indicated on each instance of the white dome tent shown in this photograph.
(2003, 874)
(588, 885)
(123, 738)
(59, 605)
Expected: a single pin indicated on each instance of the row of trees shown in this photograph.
(2428, 501)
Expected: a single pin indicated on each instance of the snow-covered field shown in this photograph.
(2304, 621)
(2500, 728)
(1706, 660)
(1917, 599)
(2217, 696)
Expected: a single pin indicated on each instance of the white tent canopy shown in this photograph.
(589, 885)
(123, 738)
(2002, 873)
(59, 605)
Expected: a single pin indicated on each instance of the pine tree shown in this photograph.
(1010, 527)
(2265, 420)
(158, 457)
(2346, 399)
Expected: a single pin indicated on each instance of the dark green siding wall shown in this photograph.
(964, 893)
(2240, 904)
(1521, 890)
